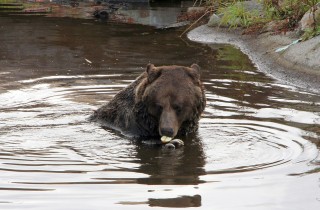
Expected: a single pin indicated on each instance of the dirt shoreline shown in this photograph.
(299, 65)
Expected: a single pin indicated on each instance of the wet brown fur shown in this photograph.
(160, 99)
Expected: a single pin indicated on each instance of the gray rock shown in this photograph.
(196, 9)
(252, 6)
(298, 65)
(307, 20)
(305, 53)
(214, 21)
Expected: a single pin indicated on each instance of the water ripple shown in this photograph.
(257, 141)
(242, 145)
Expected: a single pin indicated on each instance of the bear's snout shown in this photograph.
(167, 131)
(168, 125)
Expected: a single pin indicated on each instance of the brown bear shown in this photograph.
(162, 101)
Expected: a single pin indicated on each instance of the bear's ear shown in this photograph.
(153, 72)
(194, 71)
(196, 67)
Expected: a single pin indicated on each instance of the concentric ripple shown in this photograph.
(48, 146)
(246, 145)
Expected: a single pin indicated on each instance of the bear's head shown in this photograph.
(173, 97)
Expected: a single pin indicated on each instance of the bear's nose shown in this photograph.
(167, 132)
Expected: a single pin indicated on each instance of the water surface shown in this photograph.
(257, 146)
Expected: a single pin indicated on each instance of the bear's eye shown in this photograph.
(178, 109)
(158, 107)
(155, 109)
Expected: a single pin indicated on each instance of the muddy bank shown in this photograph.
(298, 65)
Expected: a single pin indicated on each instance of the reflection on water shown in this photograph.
(257, 146)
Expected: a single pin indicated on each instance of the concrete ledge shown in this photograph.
(299, 65)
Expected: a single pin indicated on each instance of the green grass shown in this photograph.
(10, 1)
(236, 15)
(310, 33)
(290, 11)
(8, 5)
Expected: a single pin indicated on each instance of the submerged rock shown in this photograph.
(176, 25)
(102, 15)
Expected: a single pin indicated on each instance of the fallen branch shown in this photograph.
(209, 10)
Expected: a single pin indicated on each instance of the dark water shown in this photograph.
(257, 146)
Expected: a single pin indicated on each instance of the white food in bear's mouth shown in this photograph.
(166, 139)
